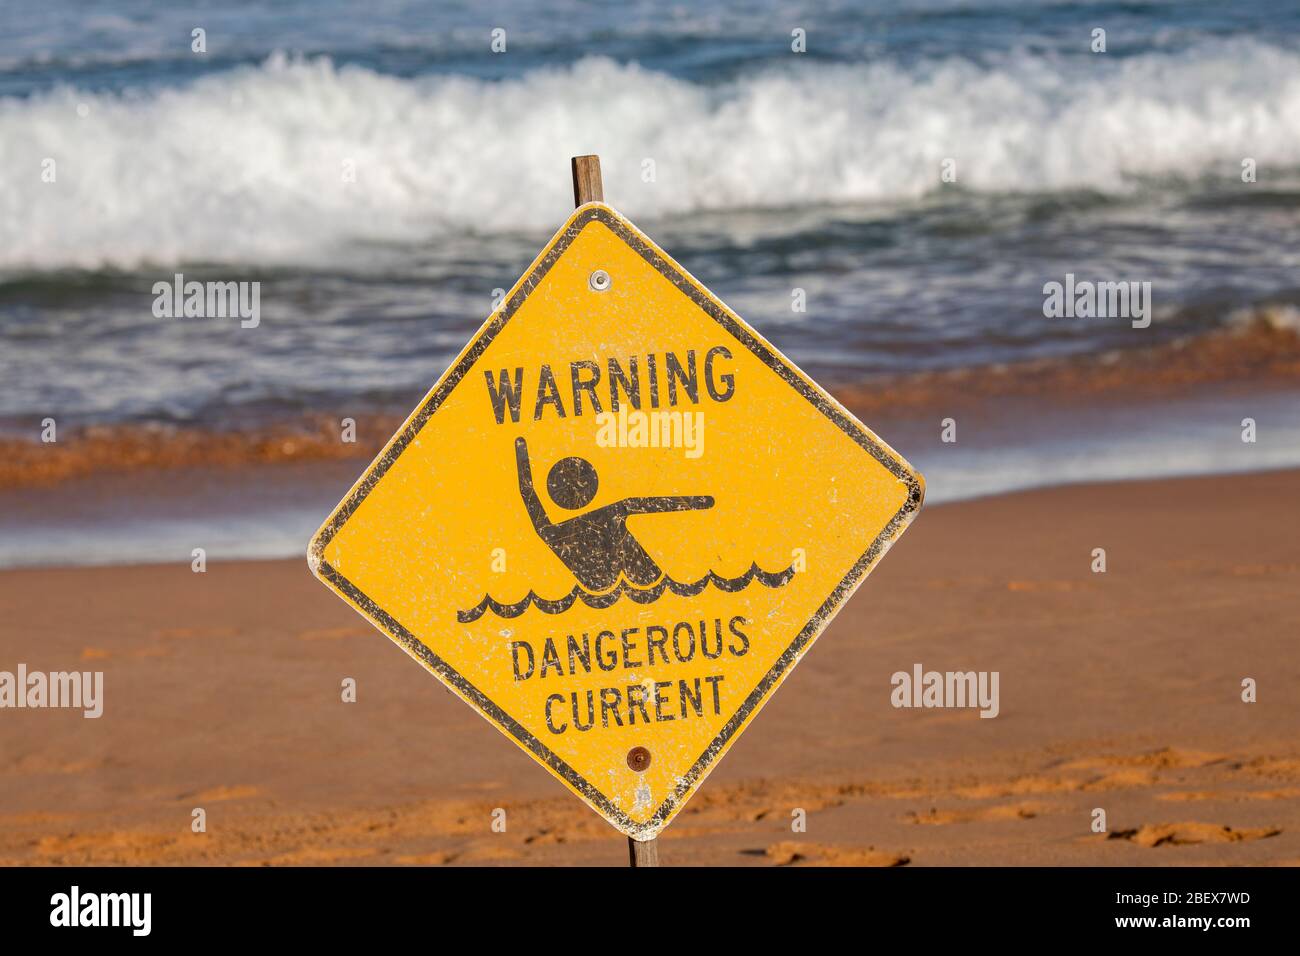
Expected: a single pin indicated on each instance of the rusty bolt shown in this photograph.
(638, 758)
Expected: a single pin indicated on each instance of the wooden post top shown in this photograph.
(587, 186)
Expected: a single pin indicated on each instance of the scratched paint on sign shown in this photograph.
(617, 521)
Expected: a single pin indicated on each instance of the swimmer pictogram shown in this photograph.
(597, 547)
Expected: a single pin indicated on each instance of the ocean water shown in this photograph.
(772, 171)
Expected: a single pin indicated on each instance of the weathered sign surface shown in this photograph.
(617, 522)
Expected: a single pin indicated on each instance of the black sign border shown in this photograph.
(597, 212)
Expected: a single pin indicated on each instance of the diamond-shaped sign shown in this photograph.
(617, 522)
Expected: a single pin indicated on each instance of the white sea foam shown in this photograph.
(1277, 317)
(247, 166)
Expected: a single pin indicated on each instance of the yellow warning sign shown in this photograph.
(617, 521)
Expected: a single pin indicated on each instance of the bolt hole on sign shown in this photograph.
(617, 521)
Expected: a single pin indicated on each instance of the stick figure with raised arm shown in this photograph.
(595, 546)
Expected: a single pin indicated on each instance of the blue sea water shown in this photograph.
(773, 171)
(383, 173)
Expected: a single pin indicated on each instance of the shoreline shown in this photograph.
(95, 554)
(221, 691)
(236, 509)
(1260, 354)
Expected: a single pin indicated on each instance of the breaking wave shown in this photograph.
(769, 579)
(300, 161)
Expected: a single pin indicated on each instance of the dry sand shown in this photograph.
(1118, 690)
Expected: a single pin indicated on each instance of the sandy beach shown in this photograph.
(1055, 278)
(1119, 691)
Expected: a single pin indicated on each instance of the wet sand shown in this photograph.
(1260, 352)
(1119, 691)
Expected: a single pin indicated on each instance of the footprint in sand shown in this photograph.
(546, 835)
(791, 853)
(320, 855)
(933, 817)
(1089, 774)
(437, 858)
(1188, 796)
(1287, 768)
(1162, 759)
(1180, 834)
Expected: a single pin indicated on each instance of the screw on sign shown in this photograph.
(682, 509)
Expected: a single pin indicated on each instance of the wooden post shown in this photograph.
(587, 187)
(642, 852)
